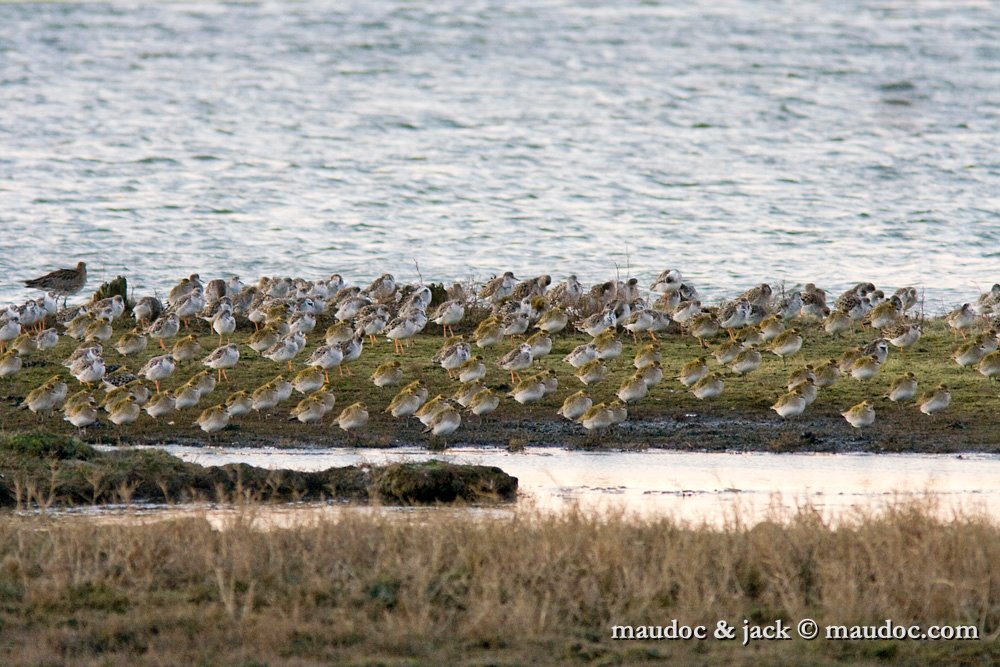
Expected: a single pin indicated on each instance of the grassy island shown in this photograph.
(670, 416)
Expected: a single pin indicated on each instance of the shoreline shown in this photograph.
(706, 433)
(46, 471)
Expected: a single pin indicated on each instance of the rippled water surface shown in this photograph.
(830, 140)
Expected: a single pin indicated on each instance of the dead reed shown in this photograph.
(445, 588)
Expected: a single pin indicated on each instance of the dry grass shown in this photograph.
(522, 589)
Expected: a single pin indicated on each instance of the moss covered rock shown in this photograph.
(439, 482)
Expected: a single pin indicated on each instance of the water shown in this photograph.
(692, 486)
(743, 140)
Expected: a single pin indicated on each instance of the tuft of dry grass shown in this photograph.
(444, 588)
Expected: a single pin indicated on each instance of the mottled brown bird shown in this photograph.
(61, 282)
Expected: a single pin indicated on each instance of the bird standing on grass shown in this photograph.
(516, 360)
(447, 315)
(903, 388)
(222, 358)
(158, 368)
(935, 401)
(708, 387)
(786, 344)
(388, 374)
(484, 402)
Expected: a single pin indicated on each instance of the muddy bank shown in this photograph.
(46, 470)
(684, 432)
(714, 431)
(896, 430)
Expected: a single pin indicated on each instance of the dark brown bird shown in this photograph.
(61, 282)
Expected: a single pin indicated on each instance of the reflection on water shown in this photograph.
(694, 487)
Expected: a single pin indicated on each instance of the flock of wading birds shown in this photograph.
(284, 311)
